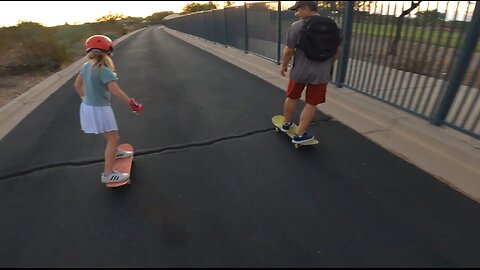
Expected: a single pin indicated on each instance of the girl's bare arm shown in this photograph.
(118, 92)
(78, 85)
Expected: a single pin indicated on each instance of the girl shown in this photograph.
(95, 83)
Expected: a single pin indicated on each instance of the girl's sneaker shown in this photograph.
(123, 154)
(286, 126)
(302, 139)
(114, 177)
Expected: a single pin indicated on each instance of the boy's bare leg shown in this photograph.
(306, 118)
(288, 109)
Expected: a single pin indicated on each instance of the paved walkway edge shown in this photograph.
(449, 155)
(15, 111)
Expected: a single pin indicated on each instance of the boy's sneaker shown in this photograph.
(123, 154)
(286, 126)
(114, 177)
(306, 137)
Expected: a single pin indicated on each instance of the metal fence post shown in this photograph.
(225, 25)
(246, 28)
(347, 24)
(458, 72)
(279, 32)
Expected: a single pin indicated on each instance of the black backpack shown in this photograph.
(320, 38)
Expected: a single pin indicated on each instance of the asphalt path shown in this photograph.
(213, 185)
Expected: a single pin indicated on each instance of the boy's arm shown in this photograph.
(337, 54)
(286, 56)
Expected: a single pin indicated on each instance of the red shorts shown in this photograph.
(315, 94)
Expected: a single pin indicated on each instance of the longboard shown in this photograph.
(123, 164)
(277, 121)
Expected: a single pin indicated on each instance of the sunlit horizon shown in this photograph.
(79, 12)
(54, 13)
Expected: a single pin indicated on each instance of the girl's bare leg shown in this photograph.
(112, 139)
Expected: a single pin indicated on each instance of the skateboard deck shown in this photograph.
(277, 120)
(123, 164)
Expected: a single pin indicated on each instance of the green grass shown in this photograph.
(439, 38)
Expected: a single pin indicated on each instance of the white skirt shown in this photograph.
(97, 119)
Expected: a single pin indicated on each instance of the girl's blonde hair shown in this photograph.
(102, 59)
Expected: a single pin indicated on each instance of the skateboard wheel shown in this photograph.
(297, 145)
(277, 130)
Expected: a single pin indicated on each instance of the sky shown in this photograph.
(52, 13)
(458, 10)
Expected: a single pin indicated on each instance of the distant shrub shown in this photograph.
(38, 48)
(29, 46)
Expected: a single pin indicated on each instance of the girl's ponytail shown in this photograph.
(101, 60)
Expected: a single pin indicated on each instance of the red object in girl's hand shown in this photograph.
(136, 107)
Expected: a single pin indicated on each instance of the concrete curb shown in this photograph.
(449, 155)
(15, 111)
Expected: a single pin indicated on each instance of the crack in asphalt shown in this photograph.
(144, 152)
(136, 154)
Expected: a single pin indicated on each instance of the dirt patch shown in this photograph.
(12, 86)
(15, 81)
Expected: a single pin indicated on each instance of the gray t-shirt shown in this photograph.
(305, 70)
(95, 81)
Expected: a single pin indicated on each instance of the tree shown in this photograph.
(28, 24)
(394, 46)
(195, 7)
(228, 3)
(260, 7)
(430, 16)
(156, 18)
(338, 6)
(364, 5)
(132, 20)
(111, 17)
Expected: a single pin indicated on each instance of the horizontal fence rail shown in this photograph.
(420, 56)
